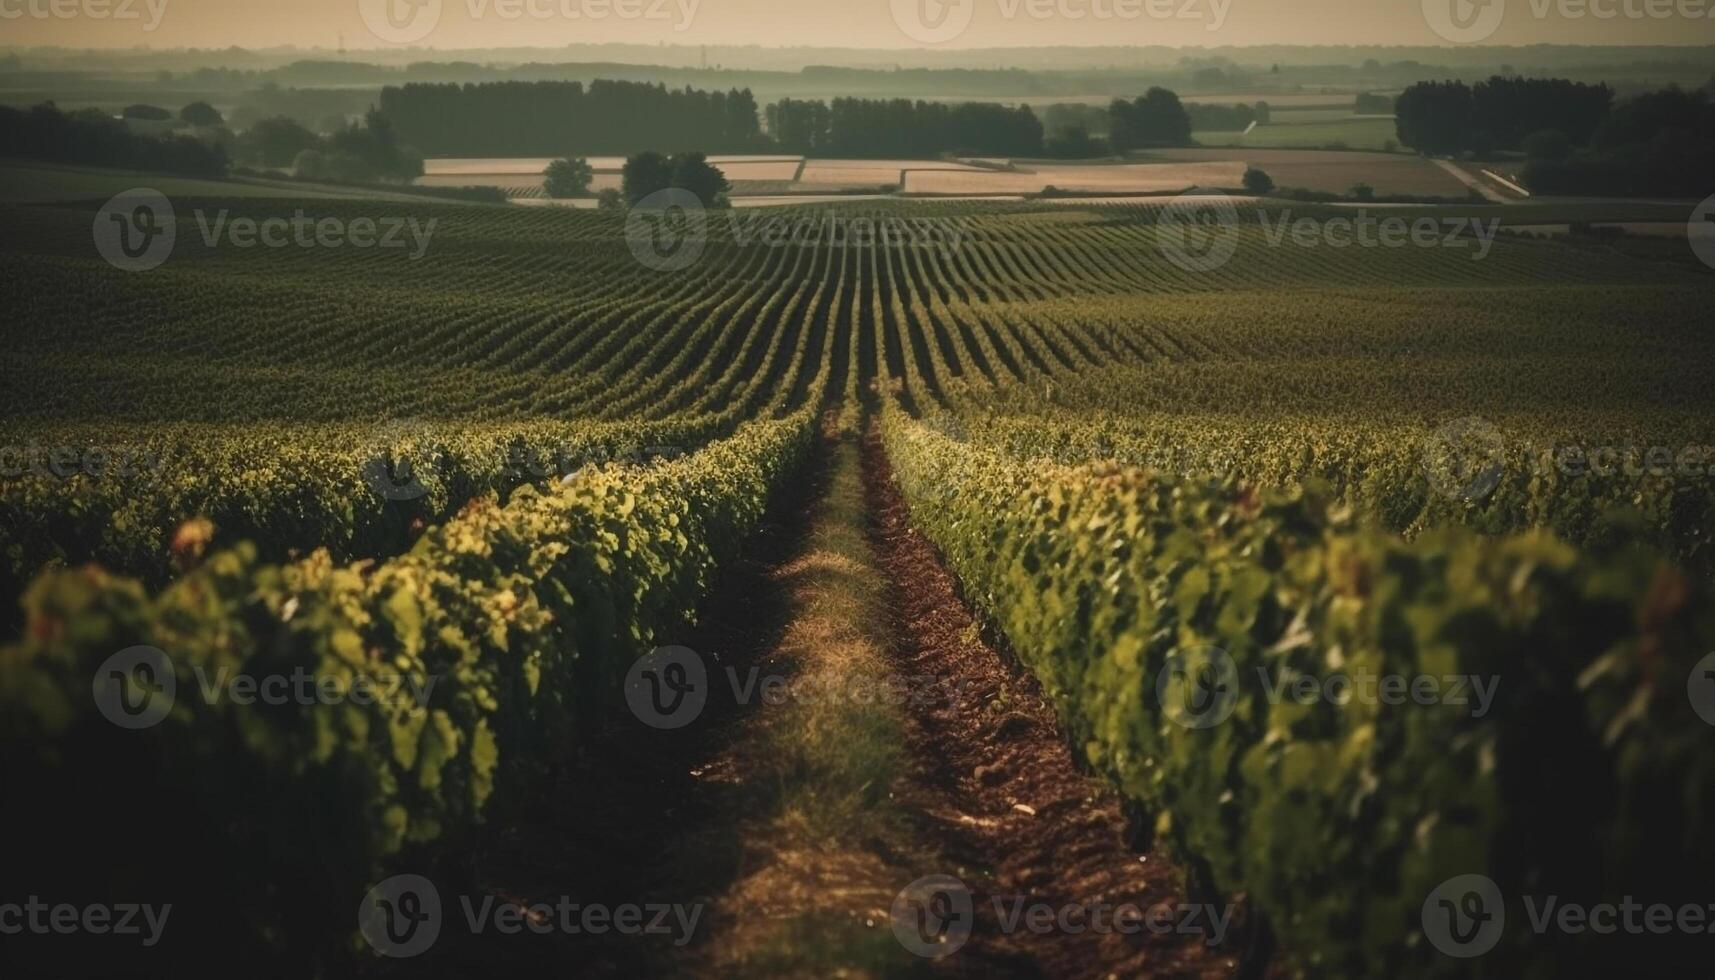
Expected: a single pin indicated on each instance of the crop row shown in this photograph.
(1165, 619)
(118, 494)
(1410, 477)
(509, 627)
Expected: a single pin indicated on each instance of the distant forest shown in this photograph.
(561, 118)
(568, 119)
(606, 117)
(1576, 138)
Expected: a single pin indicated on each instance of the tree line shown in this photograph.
(1577, 138)
(561, 118)
(1452, 117)
(94, 138)
(568, 119)
(902, 128)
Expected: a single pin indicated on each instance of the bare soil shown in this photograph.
(975, 767)
(986, 790)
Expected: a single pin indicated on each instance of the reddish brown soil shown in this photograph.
(974, 764)
(642, 815)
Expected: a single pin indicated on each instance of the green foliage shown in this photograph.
(147, 113)
(1339, 820)
(524, 616)
(200, 114)
(694, 173)
(568, 178)
(645, 174)
(1156, 118)
(275, 142)
(354, 491)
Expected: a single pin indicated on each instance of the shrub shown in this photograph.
(568, 178)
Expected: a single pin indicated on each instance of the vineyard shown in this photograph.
(503, 468)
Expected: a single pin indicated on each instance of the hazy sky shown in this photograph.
(849, 23)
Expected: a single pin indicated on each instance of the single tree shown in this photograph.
(1157, 118)
(645, 174)
(1257, 181)
(201, 114)
(569, 177)
(694, 173)
(275, 142)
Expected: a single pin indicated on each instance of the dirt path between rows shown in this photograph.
(791, 829)
(998, 785)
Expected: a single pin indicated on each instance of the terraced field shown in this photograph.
(516, 455)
